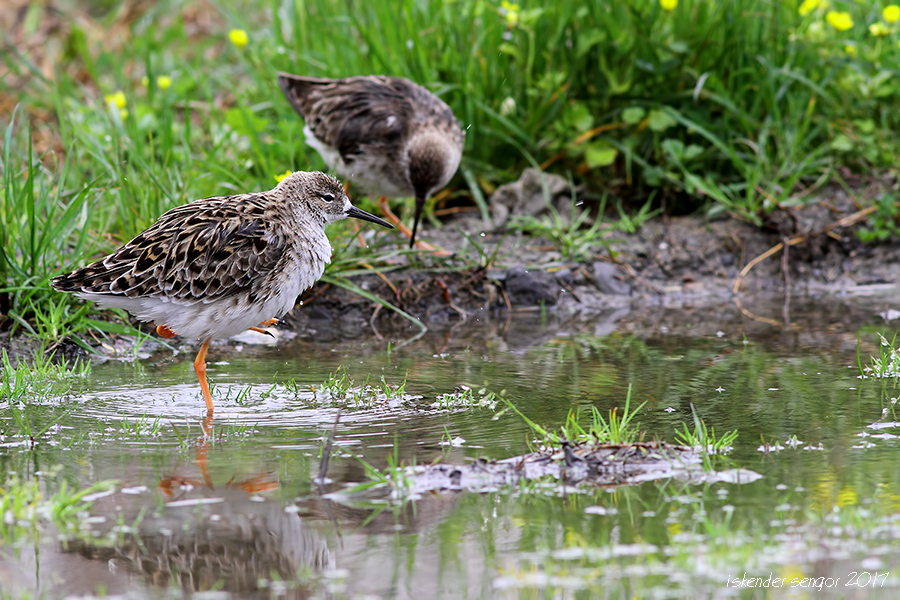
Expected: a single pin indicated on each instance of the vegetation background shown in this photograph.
(114, 112)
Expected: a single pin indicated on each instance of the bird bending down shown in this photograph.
(218, 266)
(388, 135)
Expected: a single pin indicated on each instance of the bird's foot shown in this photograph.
(164, 332)
(260, 330)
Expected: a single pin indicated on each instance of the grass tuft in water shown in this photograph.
(27, 507)
(38, 379)
(615, 428)
(705, 440)
(887, 364)
(466, 397)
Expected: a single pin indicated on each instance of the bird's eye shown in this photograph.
(327, 197)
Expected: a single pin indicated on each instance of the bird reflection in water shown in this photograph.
(207, 536)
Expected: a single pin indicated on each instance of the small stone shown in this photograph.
(606, 282)
(531, 288)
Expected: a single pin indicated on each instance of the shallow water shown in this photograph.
(239, 513)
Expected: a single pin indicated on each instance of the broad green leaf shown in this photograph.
(674, 148)
(842, 143)
(660, 120)
(633, 115)
(600, 154)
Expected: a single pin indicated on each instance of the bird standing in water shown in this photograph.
(218, 266)
(389, 135)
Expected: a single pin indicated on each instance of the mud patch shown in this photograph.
(689, 262)
(574, 464)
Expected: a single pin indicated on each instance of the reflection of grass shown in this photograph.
(684, 542)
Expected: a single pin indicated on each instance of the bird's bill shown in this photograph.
(361, 214)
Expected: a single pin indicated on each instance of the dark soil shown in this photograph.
(682, 262)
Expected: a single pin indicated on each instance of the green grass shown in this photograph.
(618, 427)
(730, 107)
(29, 504)
(886, 364)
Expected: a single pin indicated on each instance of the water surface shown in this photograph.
(238, 513)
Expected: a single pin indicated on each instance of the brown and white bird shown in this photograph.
(218, 266)
(388, 135)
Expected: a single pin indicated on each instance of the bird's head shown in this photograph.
(323, 196)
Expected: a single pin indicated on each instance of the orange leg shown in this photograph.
(392, 218)
(200, 368)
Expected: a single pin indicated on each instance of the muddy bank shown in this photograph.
(576, 464)
(683, 264)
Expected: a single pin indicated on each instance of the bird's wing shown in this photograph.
(205, 250)
(350, 113)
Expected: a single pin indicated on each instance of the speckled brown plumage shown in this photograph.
(218, 266)
(389, 135)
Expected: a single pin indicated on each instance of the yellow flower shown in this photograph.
(123, 112)
(163, 82)
(511, 11)
(879, 29)
(842, 21)
(279, 178)
(668, 4)
(808, 6)
(851, 50)
(238, 37)
(145, 81)
(118, 99)
(891, 13)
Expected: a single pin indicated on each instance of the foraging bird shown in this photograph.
(389, 135)
(215, 267)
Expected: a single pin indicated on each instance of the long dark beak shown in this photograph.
(420, 204)
(361, 214)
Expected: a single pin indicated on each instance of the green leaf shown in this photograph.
(692, 151)
(865, 125)
(633, 115)
(234, 117)
(510, 49)
(674, 148)
(588, 40)
(579, 117)
(653, 176)
(530, 16)
(660, 120)
(600, 154)
(842, 143)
